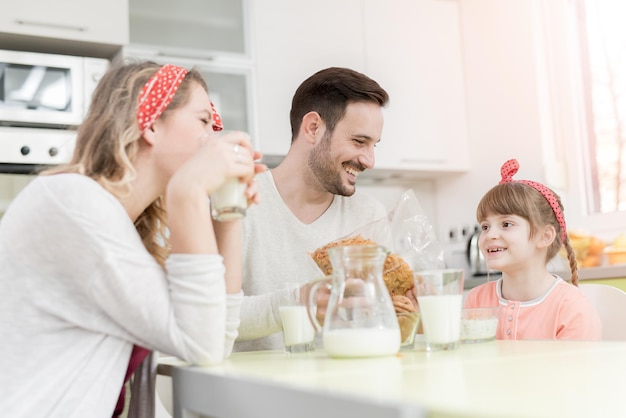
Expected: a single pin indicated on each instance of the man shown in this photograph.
(310, 199)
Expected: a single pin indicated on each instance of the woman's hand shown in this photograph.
(252, 189)
(216, 160)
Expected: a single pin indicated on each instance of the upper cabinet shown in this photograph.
(205, 29)
(229, 88)
(209, 35)
(414, 51)
(78, 27)
(412, 48)
(292, 41)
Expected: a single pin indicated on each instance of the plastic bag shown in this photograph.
(413, 236)
(407, 233)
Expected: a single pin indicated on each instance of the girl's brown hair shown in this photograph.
(107, 142)
(519, 199)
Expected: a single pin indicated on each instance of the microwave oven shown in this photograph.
(46, 90)
(43, 98)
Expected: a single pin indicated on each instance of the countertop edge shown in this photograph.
(593, 273)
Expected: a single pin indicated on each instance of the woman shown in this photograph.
(115, 254)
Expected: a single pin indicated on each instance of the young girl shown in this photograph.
(522, 229)
(115, 254)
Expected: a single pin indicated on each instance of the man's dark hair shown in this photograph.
(328, 92)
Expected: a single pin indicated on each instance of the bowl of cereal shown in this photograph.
(479, 324)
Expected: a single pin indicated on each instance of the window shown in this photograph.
(601, 41)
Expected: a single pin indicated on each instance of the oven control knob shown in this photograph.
(53, 151)
(25, 150)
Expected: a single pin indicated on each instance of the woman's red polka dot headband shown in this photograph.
(158, 93)
(510, 168)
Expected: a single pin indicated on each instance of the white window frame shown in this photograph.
(564, 129)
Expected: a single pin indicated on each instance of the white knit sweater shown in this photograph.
(78, 289)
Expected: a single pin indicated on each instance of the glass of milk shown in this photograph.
(298, 331)
(229, 202)
(440, 300)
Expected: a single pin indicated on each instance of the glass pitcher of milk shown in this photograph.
(360, 320)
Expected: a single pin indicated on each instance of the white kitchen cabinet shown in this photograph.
(29, 22)
(210, 35)
(292, 41)
(413, 49)
(190, 28)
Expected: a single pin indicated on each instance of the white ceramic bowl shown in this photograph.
(479, 324)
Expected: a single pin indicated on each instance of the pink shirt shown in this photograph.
(563, 313)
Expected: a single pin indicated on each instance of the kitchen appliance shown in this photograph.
(476, 259)
(43, 98)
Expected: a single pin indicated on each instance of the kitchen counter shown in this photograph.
(612, 275)
(531, 379)
(617, 271)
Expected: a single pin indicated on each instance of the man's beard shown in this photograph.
(323, 168)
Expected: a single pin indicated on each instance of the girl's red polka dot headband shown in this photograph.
(509, 169)
(158, 93)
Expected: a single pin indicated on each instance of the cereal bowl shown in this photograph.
(479, 324)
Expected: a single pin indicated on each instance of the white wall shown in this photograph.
(389, 194)
(502, 103)
(503, 111)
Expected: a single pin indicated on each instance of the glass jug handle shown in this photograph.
(311, 302)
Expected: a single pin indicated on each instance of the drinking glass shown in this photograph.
(298, 331)
(440, 300)
(229, 202)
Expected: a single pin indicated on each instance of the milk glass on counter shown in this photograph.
(440, 300)
(298, 331)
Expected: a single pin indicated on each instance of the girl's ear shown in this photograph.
(312, 127)
(546, 237)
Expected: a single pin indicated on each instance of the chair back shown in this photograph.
(610, 302)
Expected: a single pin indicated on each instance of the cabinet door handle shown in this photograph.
(51, 25)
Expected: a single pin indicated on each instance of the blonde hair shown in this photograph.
(514, 198)
(108, 141)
